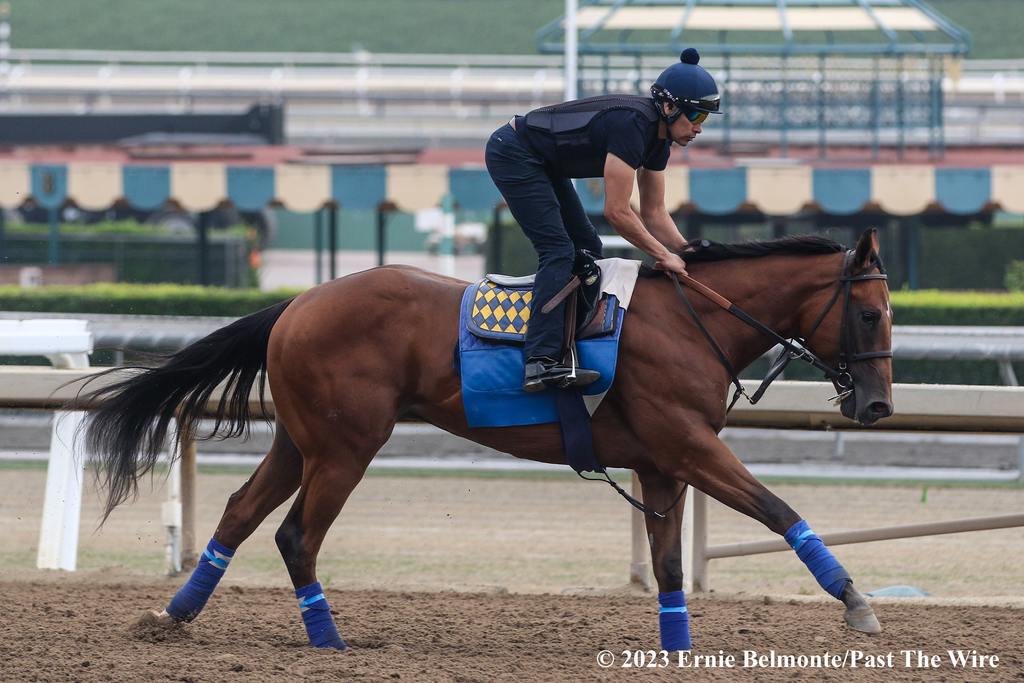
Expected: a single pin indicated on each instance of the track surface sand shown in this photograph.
(474, 579)
(541, 536)
(84, 628)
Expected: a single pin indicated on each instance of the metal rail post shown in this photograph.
(382, 235)
(332, 242)
(53, 245)
(318, 247)
(188, 502)
(571, 55)
(639, 572)
(695, 541)
(203, 246)
(5, 37)
(58, 533)
(171, 513)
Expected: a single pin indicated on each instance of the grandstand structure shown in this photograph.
(437, 100)
(784, 64)
(854, 143)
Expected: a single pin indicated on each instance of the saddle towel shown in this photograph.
(492, 325)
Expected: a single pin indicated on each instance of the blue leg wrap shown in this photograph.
(819, 559)
(316, 615)
(674, 621)
(191, 598)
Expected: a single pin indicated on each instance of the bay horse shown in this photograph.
(345, 360)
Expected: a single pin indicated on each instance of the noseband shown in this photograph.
(841, 378)
(796, 348)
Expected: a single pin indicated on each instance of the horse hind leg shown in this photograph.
(334, 463)
(325, 488)
(722, 476)
(274, 481)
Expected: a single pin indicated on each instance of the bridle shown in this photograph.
(792, 349)
(797, 347)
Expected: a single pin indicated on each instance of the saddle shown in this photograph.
(494, 320)
(502, 305)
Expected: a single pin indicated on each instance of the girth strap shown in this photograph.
(578, 443)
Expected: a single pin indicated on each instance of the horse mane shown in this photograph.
(707, 251)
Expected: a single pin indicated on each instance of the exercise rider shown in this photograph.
(620, 138)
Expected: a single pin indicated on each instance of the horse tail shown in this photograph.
(127, 429)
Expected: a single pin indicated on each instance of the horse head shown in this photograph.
(856, 334)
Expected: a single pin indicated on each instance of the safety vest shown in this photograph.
(569, 122)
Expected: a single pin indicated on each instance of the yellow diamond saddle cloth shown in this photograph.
(499, 308)
(493, 319)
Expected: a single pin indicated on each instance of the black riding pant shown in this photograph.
(549, 211)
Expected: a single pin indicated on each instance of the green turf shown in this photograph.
(457, 26)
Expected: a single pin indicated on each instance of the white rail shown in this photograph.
(697, 553)
(789, 405)
(960, 408)
(66, 343)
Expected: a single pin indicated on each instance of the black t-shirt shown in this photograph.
(622, 132)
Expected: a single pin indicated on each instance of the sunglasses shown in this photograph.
(696, 116)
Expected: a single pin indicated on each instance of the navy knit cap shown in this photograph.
(687, 85)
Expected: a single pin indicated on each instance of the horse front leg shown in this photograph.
(665, 537)
(714, 469)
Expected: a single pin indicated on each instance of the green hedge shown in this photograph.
(141, 258)
(1015, 276)
(122, 227)
(135, 299)
(909, 308)
(925, 307)
(936, 307)
(955, 258)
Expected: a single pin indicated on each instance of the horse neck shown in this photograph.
(784, 292)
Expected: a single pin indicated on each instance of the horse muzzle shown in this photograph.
(872, 412)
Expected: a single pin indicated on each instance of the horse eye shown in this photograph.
(870, 317)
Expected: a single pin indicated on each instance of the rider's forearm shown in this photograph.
(664, 229)
(629, 225)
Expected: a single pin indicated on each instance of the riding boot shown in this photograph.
(543, 372)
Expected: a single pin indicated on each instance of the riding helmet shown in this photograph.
(688, 86)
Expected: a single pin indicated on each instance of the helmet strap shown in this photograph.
(669, 119)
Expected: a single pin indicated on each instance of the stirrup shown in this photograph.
(543, 373)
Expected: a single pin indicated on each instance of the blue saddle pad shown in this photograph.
(491, 363)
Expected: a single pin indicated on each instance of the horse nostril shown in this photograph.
(880, 409)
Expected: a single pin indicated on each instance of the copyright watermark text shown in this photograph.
(773, 659)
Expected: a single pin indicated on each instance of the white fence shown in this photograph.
(788, 405)
(66, 344)
(803, 404)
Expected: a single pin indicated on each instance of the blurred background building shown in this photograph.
(244, 145)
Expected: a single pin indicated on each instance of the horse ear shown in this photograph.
(866, 246)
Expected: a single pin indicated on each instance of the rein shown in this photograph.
(840, 376)
(795, 349)
(642, 507)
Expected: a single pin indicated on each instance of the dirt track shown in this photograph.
(544, 536)
(535, 568)
(80, 628)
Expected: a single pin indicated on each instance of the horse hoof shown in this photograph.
(158, 627)
(862, 619)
